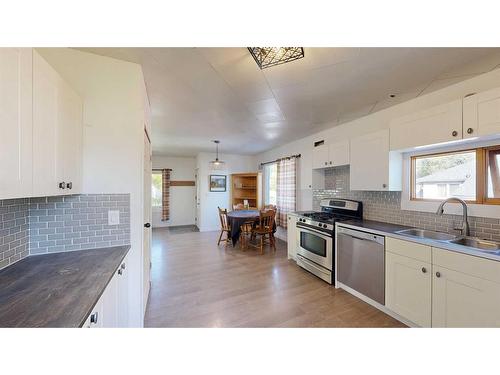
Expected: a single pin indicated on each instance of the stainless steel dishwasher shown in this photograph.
(361, 262)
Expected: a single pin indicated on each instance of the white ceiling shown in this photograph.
(201, 94)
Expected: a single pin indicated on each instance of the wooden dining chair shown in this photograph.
(270, 207)
(265, 228)
(224, 226)
(239, 206)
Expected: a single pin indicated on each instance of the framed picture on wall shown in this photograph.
(218, 182)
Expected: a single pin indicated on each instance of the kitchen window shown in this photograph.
(156, 189)
(471, 175)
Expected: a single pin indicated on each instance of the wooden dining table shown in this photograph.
(237, 218)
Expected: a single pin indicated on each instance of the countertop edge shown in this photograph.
(80, 325)
(428, 242)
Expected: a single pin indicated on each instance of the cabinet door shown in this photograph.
(320, 157)
(122, 295)
(110, 304)
(338, 153)
(291, 237)
(481, 114)
(57, 133)
(373, 167)
(462, 300)
(438, 124)
(47, 142)
(94, 320)
(70, 127)
(408, 288)
(15, 122)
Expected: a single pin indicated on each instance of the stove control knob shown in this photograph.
(319, 224)
(324, 225)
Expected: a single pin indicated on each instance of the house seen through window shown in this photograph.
(471, 175)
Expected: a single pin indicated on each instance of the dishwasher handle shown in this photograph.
(364, 236)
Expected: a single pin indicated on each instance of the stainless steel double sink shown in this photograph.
(472, 242)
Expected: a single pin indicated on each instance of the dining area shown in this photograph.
(247, 228)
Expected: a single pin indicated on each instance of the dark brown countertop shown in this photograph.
(56, 290)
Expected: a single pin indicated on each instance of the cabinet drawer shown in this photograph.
(408, 249)
(471, 265)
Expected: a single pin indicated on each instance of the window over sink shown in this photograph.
(471, 175)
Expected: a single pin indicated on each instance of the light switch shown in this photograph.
(113, 217)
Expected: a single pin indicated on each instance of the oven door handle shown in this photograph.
(321, 234)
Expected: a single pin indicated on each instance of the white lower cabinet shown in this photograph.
(292, 237)
(432, 287)
(408, 280)
(111, 311)
(465, 291)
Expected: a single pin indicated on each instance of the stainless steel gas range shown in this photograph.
(316, 235)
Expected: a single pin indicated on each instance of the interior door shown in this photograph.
(147, 221)
(197, 198)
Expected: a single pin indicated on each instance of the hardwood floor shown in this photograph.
(197, 284)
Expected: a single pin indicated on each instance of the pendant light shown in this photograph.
(217, 164)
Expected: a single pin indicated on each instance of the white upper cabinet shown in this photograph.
(339, 153)
(57, 133)
(15, 122)
(332, 155)
(438, 124)
(373, 166)
(320, 157)
(481, 114)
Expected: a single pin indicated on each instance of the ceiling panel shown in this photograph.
(201, 94)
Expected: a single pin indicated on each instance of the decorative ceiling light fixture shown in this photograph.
(266, 57)
(217, 164)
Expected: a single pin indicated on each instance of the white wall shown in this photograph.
(114, 117)
(309, 178)
(182, 198)
(208, 219)
(379, 120)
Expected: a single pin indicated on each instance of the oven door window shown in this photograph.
(313, 243)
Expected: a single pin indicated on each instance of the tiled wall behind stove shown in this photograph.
(58, 224)
(13, 230)
(386, 207)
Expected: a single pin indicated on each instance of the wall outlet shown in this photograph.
(113, 217)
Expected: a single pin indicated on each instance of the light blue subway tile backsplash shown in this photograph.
(32, 226)
(386, 206)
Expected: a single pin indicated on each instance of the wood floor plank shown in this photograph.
(196, 283)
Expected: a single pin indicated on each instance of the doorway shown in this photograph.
(147, 221)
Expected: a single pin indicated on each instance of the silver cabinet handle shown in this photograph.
(62, 185)
(470, 131)
(424, 270)
(69, 185)
(454, 133)
(438, 274)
